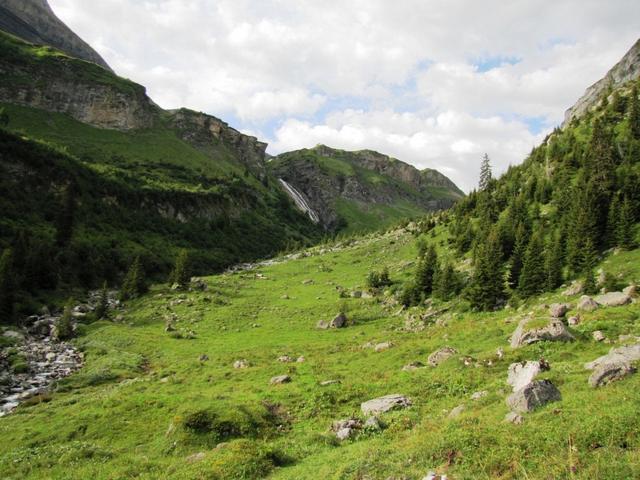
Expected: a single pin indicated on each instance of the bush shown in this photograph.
(379, 279)
(64, 325)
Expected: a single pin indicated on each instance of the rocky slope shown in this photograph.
(331, 180)
(626, 69)
(35, 22)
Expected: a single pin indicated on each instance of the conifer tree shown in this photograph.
(487, 285)
(7, 287)
(590, 258)
(625, 226)
(553, 263)
(181, 273)
(4, 118)
(532, 278)
(446, 283)
(517, 257)
(66, 216)
(102, 308)
(134, 283)
(613, 222)
(485, 173)
(634, 114)
(426, 271)
(64, 325)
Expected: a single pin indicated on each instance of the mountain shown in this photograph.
(628, 68)
(35, 22)
(360, 190)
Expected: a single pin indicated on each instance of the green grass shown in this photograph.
(144, 402)
(361, 217)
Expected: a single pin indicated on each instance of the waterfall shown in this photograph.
(300, 201)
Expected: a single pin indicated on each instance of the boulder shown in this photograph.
(574, 289)
(412, 366)
(613, 299)
(440, 355)
(326, 383)
(479, 395)
(372, 424)
(598, 336)
(285, 359)
(558, 310)
(555, 331)
(587, 304)
(241, 364)
(301, 359)
(280, 379)
(385, 404)
(322, 325)
(345, 429)
(573, 321)
(339, 321)
(624, 354)
(608, 372)
(457, 411)
(533, 395)
(513, 417)
(630, 291)
(381, 347)
(522, 374)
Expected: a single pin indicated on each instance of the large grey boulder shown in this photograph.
(339, 321)
(440, 355)
(625, 354)
(532, 396)
(587, 304)
(608, 372)
(385, 404)
(558, 310)
(613, 299)
(555, 331)
(522, 374)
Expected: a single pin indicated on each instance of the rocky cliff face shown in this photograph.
(625, 70)
(35, 22)
(325, 176)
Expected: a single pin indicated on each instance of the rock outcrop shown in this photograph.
(626, 69)
(35, 22)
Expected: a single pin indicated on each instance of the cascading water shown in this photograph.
(300, 201)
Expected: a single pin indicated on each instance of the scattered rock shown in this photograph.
(345, 429)
(381, 347)
(356, 294)
(457, 411)
(575, 288)
(598, 336)
(608, 372)
(241, 364)
(13, 335)
(373, 424)
(204, 357)
(412, 366)
(555, 331)
(440, 355)
(558, 310)
(513, 417)
(385, 404)
(434, 476)
(479, 395)
(587, 304)
(285, 359)
(280, 379)
(500, 353)
(574, 320)
(630, 291)
(196, 457)
(339, 321)
(613, 299)
(533, 395)
(307, 282)
(322, 325)
(523, 373)
(198, 284)
(301, 359)
(326, 383)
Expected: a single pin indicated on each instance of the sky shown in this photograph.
(435, 83)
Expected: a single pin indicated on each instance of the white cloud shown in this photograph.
(407, 65)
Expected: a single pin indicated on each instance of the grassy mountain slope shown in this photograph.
(144, 403)
(364, 190)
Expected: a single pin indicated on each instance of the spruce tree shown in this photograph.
(625, 226)
(426, 271)
(64, 324)
(102, 308)
(613, 222)
(486, 291)
(589, 261)
(485, 173)
(532, 278)
(134, 283)
(181, 273)
(446, 283)
(553, 263)
(7, 287)
(517, 257)
(66, 217)
(634, 114)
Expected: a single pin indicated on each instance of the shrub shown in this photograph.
(64, 325)
(379, 279)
